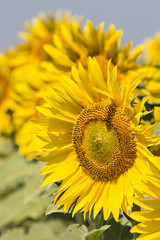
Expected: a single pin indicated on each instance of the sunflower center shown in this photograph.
(104, 141)
(99, 142)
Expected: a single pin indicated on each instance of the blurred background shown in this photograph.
(138, 19)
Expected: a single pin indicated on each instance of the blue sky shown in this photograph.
(139, 18)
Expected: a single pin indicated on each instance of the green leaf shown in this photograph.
(70, 236)
(33, 182)
(40, 231)
(13, 209)
(50, 190)
(78, 229)
(53, 209)
(81, 232)
(60, 224)
(125, 233)
(13, 171)
(108, 235)
(75, 232)
(116, 227)
(96, 233)
(124, 221)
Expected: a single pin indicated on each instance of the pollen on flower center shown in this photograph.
(104, 141)
(99, 141)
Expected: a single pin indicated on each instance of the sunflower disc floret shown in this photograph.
(104, 142)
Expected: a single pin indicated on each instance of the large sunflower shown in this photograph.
(92, 141)
(149, 226)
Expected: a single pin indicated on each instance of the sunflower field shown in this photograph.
(79, 133)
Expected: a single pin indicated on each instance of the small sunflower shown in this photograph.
(151, 88)
(91, 139)
(150, 79)
(152, 49)
(149, 226)
(25, 60)
(150, 69)
(73, 45)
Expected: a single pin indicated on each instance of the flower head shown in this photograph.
(152, 49)
(25, 60)
(150, 69)
(150, 78)
(73, 45)
(91, 139)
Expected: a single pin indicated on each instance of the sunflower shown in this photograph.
(5, 101)
(150, 87)
(149, 226)
(90, 137)
(150, 79)
(73, 45)
(150, 69)
(25, 60)
(152, 49)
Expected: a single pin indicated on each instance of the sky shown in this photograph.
(139, 19)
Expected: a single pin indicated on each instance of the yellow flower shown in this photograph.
(150, 78)
(73, 45)
(63, 39)
(25, 60)
(150, 69)
(149, 226)
(152, 49)
(91, 139)
(5, 101)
